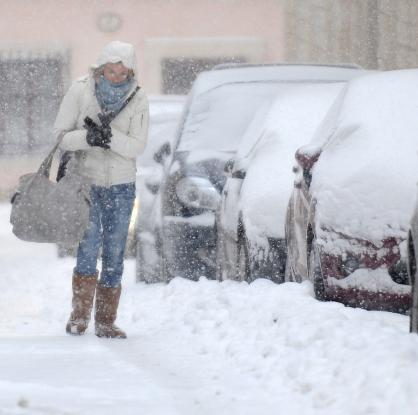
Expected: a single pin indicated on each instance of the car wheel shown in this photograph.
(413, 320)
(165, 275)
(221, 271)
(243, 260)
(412, 269)
(412, 262)
(139, 263)
(149, 259)
(315, 273)
(145, 259)
(288, 274)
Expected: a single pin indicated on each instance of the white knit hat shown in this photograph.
(117, 51)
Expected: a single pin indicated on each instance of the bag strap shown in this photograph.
(126, 102)
(45, 167)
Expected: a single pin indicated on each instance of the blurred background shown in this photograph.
(45, 44)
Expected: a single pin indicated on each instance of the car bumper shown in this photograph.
(370, 300)
(371, 288)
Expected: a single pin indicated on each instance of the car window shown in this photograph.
(217, 119)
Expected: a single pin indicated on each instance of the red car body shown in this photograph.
(354, 262)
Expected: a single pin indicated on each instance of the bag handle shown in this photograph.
(45, 167)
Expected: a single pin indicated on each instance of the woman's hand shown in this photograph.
(96, 135)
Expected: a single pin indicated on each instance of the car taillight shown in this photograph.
(350, 264)
(363, 254)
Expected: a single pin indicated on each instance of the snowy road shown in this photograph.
(195, 348)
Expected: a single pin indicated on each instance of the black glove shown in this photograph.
(95, 135)
(105, 119)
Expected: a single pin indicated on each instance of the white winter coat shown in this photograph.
(129, 134)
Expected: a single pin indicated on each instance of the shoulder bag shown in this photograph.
(47, 211)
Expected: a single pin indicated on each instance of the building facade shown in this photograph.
(376, 34)
(168, 34)
(44, 44)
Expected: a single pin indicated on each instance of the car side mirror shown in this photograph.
(229, 166)
(163, 152)
(153, 187)
(239, 174)
(306, 162)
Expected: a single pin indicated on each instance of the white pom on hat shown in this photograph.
(118, 51)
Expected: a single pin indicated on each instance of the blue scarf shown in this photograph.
(111, 96)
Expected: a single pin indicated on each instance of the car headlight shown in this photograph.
(198, 192)
(350, 263)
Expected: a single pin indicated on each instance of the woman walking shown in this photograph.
(104, 119)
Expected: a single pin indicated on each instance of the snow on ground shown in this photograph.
(195, 348)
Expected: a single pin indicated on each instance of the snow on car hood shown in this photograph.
(291, 121)
(365, 179)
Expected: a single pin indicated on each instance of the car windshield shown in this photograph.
(218, 118)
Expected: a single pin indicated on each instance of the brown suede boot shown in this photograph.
(84, 287)
(107, 301)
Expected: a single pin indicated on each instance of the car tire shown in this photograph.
(315, 273)
(412, 270)
(221, 271)
(288, 273)
(164, 271)
(139, 265)
(243, 260)
(413, 319)
(412, 262)
(142, 270)
(149, 261)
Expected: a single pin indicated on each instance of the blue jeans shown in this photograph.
(110, 214)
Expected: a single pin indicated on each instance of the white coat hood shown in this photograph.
(118, 51)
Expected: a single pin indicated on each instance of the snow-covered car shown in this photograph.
(412, 268)
(220, 107)
(348, 215)
(250, 221)
(165, 114)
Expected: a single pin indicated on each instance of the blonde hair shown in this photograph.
(98, 72)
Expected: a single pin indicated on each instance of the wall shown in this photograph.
(71, 25)
(376, 34)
